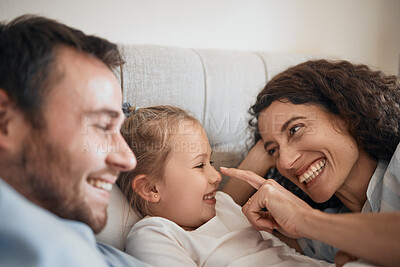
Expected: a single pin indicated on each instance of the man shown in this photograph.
(60, 146)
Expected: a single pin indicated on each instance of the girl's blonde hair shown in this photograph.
(148, 132)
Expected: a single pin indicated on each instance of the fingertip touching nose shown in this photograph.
(122, 157)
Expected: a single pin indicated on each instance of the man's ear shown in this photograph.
(144, 189)
(5, 105)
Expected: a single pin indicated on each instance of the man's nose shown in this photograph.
(122, 157)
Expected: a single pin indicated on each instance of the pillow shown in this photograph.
(121, 218)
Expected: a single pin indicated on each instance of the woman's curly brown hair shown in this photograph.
(367, 101)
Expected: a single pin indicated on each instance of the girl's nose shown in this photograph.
(215, 176)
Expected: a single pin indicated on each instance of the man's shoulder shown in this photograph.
(118, 258)
(43, 238)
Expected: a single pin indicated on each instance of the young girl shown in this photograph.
(186, 222)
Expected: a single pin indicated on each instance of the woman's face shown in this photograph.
(310, 146)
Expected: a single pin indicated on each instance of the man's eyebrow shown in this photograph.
(108, 112)
(284, 127)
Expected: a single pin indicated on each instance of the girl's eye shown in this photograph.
(294, 129)
(211, 162)
(200, 166)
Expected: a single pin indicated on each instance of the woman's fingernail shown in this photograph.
(223, 168)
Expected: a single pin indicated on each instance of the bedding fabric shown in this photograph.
(226, 240)
(383, 194)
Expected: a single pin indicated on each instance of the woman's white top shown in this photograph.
(383, 193)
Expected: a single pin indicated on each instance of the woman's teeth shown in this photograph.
(312, 171)
(209, 196)
(100, 184)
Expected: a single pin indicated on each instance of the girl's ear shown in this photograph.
(146, 191)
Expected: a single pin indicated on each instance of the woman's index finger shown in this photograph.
(253, 179)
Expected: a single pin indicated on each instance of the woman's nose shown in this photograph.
(287, 157)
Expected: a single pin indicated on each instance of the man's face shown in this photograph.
(70, 166)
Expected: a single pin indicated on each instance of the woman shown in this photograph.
(332, 128)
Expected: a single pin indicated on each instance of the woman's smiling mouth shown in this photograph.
(312, 171)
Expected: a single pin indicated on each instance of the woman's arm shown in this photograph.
(371, 236)
(258, 161)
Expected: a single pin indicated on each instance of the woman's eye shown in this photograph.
(211, 162)
(271, 151)
(294, 129)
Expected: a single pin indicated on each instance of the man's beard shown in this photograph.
(44, 173)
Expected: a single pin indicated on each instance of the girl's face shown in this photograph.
(310, 147)
(187, 193)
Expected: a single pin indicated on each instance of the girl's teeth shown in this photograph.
(209, 196)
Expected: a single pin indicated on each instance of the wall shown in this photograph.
(366, 31)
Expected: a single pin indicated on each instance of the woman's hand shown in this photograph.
(341, 258)
(258, 161)
(284, 211)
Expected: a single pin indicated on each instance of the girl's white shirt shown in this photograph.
(226, 240)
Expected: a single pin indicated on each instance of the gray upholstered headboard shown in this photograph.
(216, 86)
